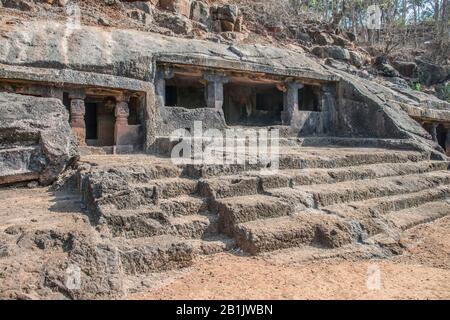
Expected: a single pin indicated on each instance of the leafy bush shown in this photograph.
(443, 91)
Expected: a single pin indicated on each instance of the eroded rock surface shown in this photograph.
(36, 142)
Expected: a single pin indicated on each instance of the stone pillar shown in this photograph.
(77, 112)
(162, 74)
(433, 131)
(290, 101)
(447, 142)
(214, 90)
(121, 113)
(328, 108)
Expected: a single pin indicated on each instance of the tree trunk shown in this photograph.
(444, 19)
(404, 12)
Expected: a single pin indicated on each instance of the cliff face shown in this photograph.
(59, 53)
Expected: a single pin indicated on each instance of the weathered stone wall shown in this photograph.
(173, 118)
(371, 110)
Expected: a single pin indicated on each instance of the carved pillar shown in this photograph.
(447, 142)
(77, 112)
(328, 106)
(162, 74)
(122, 112)
(290, 101)
(214, 90)
(433, 131)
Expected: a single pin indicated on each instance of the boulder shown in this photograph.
(350, 36)
(176, 23)
(356, 59)
(226, 26)
(182, 7)
(18, 5)
(226, 18)
(228, 13)
(145, 6)
(405, 68)
(430, 73)
(200, 12)
(334, 52)
(340, 41)
(384, 68)
(322, 38)
(36, 141)
(140, 16)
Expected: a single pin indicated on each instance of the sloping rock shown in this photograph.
(383, 110)
(36, 142)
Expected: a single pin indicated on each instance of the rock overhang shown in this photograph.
(131, 53)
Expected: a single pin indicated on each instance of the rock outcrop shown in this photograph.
(36, 142)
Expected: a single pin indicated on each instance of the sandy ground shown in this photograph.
(423, 272)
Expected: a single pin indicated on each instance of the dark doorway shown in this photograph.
(91, 121)
(441, 133)
(189, 96)
(171, 96)
(308, 98)
(252, 104)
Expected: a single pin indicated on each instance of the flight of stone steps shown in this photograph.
(161, 215)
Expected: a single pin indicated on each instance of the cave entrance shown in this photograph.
(250, 103)
(441, 134)
(309, 98)
(99, 120)
(186, 91)
(90, 120)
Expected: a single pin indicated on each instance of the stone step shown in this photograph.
(133, 169)
(254, 182)
(285, 201)
(160, 253)
(297, 161)
(168, 187)
(310, 227)
(212, 245)
(196, 226)
(248, 208)
(370, 214)
(307, 253)
(136, 173)
(306, 158)
(336, 225)
(184, 205)
(326, 194)
(150, 222)
(411, 217)
(92, 150)
(229, 186)
(166, 252)
(285, 178)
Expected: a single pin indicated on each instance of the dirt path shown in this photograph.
(423, 272)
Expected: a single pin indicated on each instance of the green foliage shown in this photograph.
(416, 86)
(443, 92)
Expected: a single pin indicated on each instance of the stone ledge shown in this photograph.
(61, 77)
